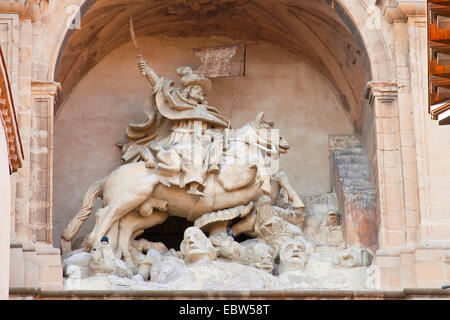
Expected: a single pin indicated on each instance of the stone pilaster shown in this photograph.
(423, 259)
(34, 261)
(406, 127)
(433, 169)
(383, 99)
(389, 180)
(41, 158)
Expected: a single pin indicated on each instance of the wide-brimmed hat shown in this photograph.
(190, 78)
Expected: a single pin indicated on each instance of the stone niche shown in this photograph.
(294, 94)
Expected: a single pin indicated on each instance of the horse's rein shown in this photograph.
(271, 151)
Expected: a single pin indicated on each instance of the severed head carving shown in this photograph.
(293, 255)
(196, 246)
(259, 255)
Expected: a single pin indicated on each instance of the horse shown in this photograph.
(132, 191)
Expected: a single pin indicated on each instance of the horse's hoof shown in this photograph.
(298, 205)
(90, 243)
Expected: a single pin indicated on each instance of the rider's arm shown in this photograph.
(148, 72)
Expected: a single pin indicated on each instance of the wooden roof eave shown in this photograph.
(9, 120)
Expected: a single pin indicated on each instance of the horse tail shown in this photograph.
(94, 191)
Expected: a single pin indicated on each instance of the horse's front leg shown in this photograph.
(113, 236)
(133, 222)
(282, 179)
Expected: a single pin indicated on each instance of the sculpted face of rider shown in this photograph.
(196, 93)
(191, 118)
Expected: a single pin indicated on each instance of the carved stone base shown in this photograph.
(425, 266)
(35, 266)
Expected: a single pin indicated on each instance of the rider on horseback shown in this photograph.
(193, 146)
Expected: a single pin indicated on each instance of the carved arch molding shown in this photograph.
(322, 32)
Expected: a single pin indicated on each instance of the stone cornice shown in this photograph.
(400, 10)
(46, 87)
(9, 121)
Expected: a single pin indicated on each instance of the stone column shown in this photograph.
(41, 159)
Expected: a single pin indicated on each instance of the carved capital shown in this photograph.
(386, 90)
(400, 10)
(47, 88)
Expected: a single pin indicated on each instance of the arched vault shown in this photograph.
(320, 31)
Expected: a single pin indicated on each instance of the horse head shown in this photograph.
(268, 136)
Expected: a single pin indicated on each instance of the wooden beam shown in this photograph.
(438, 57)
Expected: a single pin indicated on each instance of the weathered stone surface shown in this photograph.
(411, 161)
(356, 194)
(318, 227)
(302, 266)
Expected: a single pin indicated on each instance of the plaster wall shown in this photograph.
(94, 117)
(5, 202)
